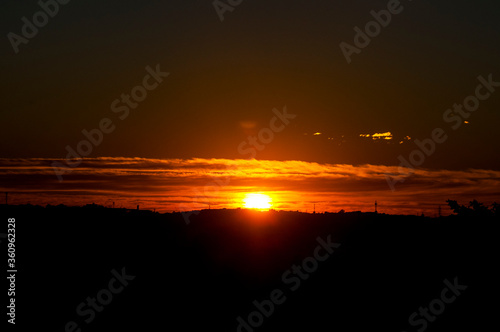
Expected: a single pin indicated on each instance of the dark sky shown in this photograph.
(264, 55)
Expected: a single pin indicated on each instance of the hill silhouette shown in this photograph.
(205, 274)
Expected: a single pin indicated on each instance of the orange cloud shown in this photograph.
(167, 184)
(377, 136)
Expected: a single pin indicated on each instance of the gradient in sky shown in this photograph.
(183, 185)
(226, 77)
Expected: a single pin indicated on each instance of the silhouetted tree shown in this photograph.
(479, 209)
(457, 208)
(475, 209)
(496, 209)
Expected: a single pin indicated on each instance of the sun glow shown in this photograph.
(257, 201)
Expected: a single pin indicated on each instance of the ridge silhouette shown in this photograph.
(204, 275)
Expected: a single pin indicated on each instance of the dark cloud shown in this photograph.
(171, 184)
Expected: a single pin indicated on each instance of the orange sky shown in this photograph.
(179, 185)
(168, 81)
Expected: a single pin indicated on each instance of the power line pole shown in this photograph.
(376, 207)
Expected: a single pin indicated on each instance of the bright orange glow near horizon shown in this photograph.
(257, 201)
(178, 185)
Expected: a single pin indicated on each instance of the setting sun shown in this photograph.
(257, 201)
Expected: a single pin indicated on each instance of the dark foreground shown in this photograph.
(278, 271)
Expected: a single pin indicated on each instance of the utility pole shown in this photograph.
(314, 209)
(376, 207)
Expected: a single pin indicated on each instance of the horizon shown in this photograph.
(184, 185)
(329, 104)
(208, 158)
(187, 214)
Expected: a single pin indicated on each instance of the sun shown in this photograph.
(257, 201)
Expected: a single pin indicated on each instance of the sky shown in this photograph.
(233, 79)
(194, 184)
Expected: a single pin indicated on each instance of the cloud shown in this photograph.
(166, 183)
(378, 136)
